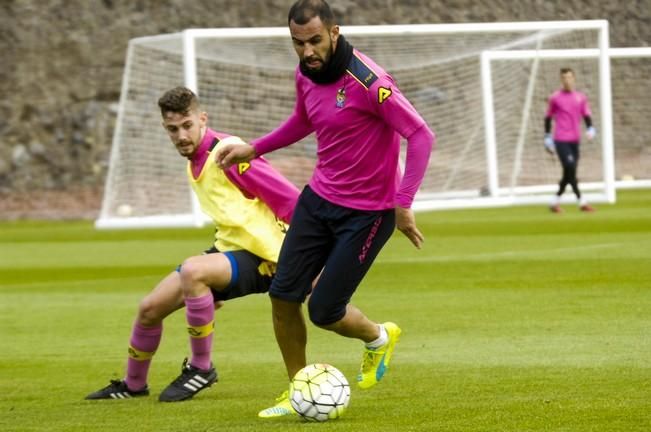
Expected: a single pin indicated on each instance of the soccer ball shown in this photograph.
(124, 210)
(319, 392)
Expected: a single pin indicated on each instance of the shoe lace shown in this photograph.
(185, 370)
(283, 396)
(369, 358)
(114, 383)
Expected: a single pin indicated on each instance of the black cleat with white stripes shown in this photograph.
(117, 390)
(191, 381)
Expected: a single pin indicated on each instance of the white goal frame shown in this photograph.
(607, 187)
(496, 196)
(631, 53)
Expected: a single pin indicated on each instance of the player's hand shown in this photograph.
(231, 154)
(590, 133)
(406, 223)
(549, 144)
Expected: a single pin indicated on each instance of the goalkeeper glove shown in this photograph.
(549, 144)
(590, 132)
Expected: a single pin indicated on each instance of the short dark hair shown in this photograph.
(566, 70)
(304, 10)
(180, 100)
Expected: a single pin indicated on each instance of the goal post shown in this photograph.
(631, 87)
(603, 191)
(488, 132)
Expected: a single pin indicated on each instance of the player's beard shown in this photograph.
(334, 64)
(186, 149)
(324, 61)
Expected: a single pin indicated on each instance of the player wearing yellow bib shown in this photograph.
(250, 204)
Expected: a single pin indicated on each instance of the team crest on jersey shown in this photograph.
(341, 97)
(383, 94)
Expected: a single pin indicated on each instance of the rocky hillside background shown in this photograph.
(62, 64)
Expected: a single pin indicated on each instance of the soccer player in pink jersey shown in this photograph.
(250, 204)
(566, 107)
(355, 198)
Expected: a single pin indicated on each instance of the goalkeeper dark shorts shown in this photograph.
(568, 153)
(247, 275)
(336, 243)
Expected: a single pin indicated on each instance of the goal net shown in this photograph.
(482, 88)
(631, 81)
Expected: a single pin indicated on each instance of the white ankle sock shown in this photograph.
(381, 340)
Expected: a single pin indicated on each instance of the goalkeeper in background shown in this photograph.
(355, 197)
(566, 107)
(250, 205)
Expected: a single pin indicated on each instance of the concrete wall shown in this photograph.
(62, 64)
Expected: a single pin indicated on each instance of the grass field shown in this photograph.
(513, 320)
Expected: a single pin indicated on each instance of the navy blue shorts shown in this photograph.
(341, 241)
(245, 276)
(568, 153)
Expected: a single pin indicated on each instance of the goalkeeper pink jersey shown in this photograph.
(567, 109)
(358, 121)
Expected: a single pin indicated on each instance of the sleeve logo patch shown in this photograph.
(243, 167)
(383, 94)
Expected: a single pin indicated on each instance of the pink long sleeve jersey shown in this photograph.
(567, 108)
(358, 122)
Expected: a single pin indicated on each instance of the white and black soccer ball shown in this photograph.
(319, 392)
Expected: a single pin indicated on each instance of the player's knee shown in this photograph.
(149, 312)
(323, 315)
(190, 272)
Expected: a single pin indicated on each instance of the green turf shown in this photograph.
(513, 319)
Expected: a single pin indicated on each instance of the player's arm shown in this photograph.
(586, 113)
(419, 147)
(295, 128)
(590, 131)
(398, 112)
(258, 179)
(551, 111)
(292, 130)
(549, 141)
(391, 105)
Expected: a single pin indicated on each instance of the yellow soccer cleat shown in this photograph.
(376, 361)
(282, 408)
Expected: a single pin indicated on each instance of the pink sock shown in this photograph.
(142, 346)
(200, 313)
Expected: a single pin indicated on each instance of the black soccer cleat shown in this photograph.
(191, 381)
(117, 390)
